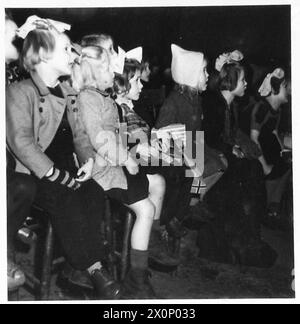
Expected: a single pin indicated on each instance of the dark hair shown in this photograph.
(121, 81)
(229, 76)
(276, 83)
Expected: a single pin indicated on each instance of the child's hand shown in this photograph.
(267, 169)
(238, 152)
(132, 166)
(144, 150)
(86, 170)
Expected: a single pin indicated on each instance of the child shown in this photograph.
(127, 89)
(182, 106)
(103, 40)
(115, 170)
(228, 57)
(264, 131)
(238, 198)
(43, 132)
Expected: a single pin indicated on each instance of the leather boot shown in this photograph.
(137, 285)
(105, 286)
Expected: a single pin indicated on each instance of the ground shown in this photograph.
(201, 279)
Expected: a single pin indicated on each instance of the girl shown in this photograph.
(103, 40)
(241, 189)
(264, 131)
(43, 132)
(127, 89)
(115, 170)
(182, 106)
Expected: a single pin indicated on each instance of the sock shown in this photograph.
(139, 259)
(156, 225)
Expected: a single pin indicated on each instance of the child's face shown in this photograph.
(241, 87)
(62, 59)
(105, 75)
(109, 46)
(11, 53)
(283, 93)
(145, 76)
(203, 78)
(135, 87)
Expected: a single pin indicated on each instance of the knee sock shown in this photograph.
(139, 259)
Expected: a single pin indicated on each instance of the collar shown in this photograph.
(103, 93)
(44, 91)
(271, 109)
(126, 102)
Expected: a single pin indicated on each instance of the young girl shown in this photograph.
(43, 133)
(241, 189)
(103, 40)
(115, 170)
(182, 106)
(264, 131)
(127, 90)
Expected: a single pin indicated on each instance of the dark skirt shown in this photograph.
(138, 189)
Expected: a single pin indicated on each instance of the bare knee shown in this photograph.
(144, 209)
(157, 183)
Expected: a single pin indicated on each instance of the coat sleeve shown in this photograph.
(99, 120)
(20, 134)
(167, 114)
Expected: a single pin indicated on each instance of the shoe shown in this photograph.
(199, 215)
(175, 228)
(160, 256)
(274, 221)
(137, 285)
(74, 277)
(105, 286)
(15, 276)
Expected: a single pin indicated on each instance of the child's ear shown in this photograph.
(44, 56)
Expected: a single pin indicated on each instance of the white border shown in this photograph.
(159, 3)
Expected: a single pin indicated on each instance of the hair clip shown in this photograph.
(118, 62)
(226, 58)
(266, 87)
(35, 22)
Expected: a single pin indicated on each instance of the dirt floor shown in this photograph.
(200, 279)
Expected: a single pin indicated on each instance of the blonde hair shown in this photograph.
(85, 72)
(35, 41)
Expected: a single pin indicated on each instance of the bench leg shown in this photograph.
(47, 264)
(126, 244)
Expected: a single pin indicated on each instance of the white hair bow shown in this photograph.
(235, 56)
(119, 61)
(266, 87)
(35, 22)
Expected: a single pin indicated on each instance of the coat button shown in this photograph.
(75, 110)
(42, 99)
(41, 109)
(73, 101)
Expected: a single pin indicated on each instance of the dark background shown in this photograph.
(262, 33)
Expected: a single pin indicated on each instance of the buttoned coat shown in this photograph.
(33, 116)
(100, 118)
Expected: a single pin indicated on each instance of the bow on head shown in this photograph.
(266, 87)
(35, 22)
(119, 61)
(225, 58)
